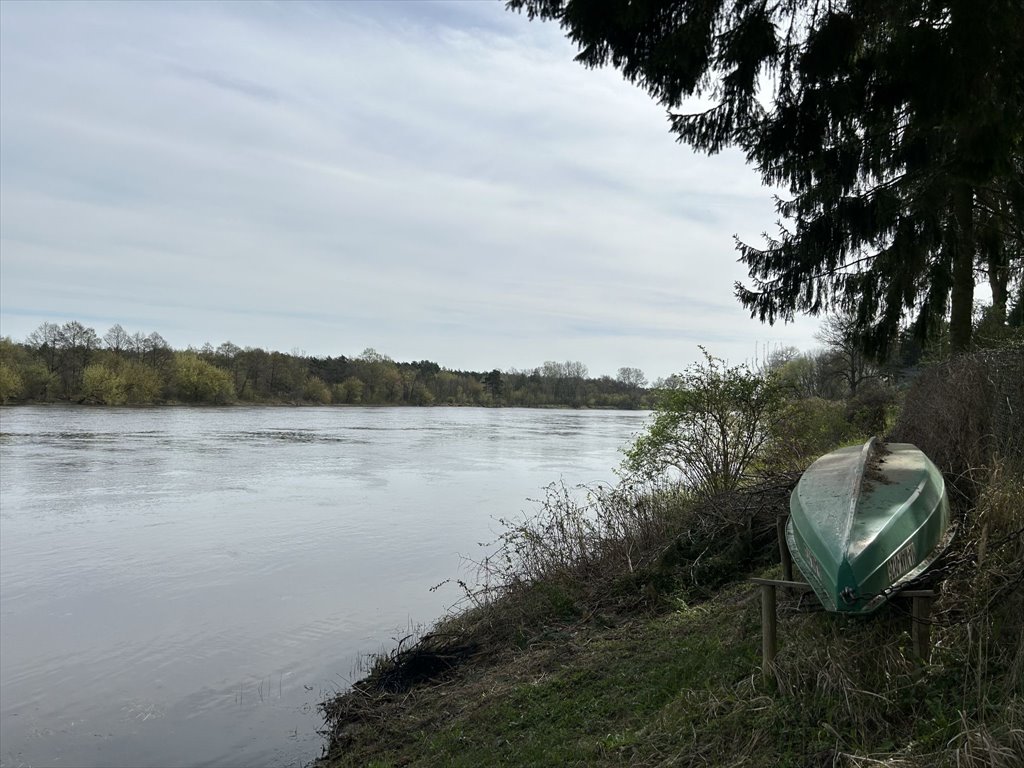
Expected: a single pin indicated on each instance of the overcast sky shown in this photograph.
(435, 180)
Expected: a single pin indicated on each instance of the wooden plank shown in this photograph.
(769, 643)
(920, 627)
(799, 586)
(784, 555)
(916, 593)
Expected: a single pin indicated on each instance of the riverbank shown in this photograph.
(666, 678)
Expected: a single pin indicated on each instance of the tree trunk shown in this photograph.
(998, 279)
(962, 300)
(997, 255)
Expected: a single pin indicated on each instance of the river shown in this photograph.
(183, 586)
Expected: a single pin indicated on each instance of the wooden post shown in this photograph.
(768, 636)
(784, 556)
(920, 627)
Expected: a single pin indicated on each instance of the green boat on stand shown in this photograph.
(865, 520)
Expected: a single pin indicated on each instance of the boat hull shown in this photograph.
(866, 520)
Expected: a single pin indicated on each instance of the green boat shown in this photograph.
(865, 520)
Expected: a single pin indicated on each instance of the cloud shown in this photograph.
(436, 180)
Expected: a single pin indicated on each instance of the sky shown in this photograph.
(435, 180)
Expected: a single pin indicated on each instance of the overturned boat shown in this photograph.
(865, 520)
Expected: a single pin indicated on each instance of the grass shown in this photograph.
(684, 688)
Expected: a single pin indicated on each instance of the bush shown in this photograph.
(141, 383)
(11, 385)
(102, 385)
(804, 430)
(197, 381)
(316, 391)
(965, 412)
(709, 428)
(869, 409)
(574, 550)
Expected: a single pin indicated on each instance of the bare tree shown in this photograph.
(117, 339)
(851, 365)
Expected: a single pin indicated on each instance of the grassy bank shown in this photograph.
(618, 628)
(682, 687)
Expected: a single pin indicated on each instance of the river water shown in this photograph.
(182, 586)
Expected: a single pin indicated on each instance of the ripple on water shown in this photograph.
(183, 586)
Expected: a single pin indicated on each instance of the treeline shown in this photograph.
(72, 363)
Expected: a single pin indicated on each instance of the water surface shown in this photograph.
(182, 586)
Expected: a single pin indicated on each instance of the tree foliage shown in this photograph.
(197, 381)
(73, 363)
(896, 127)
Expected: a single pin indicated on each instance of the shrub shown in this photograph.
(141, 383)
(709, 427)
(966, 411)
(197, 381)
(316, 391)
(11, 385)
(575, 552)
(102, 385)
(804, 430)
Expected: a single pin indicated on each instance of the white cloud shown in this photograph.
(438, 181)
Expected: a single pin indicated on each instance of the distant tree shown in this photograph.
(371, 355)
(28, 377)
(11, 384)
(840, 336)
(12, 387)
(197, 381)
(137, 344)
(633, 380)
(157, 353)
(632, 377)
(117, 339)
(140, 383)
(494, 384)
(349, 391)
(897, 128)
(102, 385)
(75, 346)
(46, 340)
(316, 391)
(228, 351)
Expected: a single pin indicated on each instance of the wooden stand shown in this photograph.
(769, 617)
(919, 624)
(920, 621)
(784, 556)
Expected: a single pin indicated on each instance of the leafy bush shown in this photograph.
(102, 385)
(709, 427)
(11, 385)
(316, 391)
(197, 381)
(141, 383)
(804, 430)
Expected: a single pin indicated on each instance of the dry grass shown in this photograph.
(587, 534)
(966, 412)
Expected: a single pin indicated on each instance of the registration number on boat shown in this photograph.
(902, 562)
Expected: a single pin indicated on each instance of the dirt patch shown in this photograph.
(873, 472)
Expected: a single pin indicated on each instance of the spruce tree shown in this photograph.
(896, 126)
